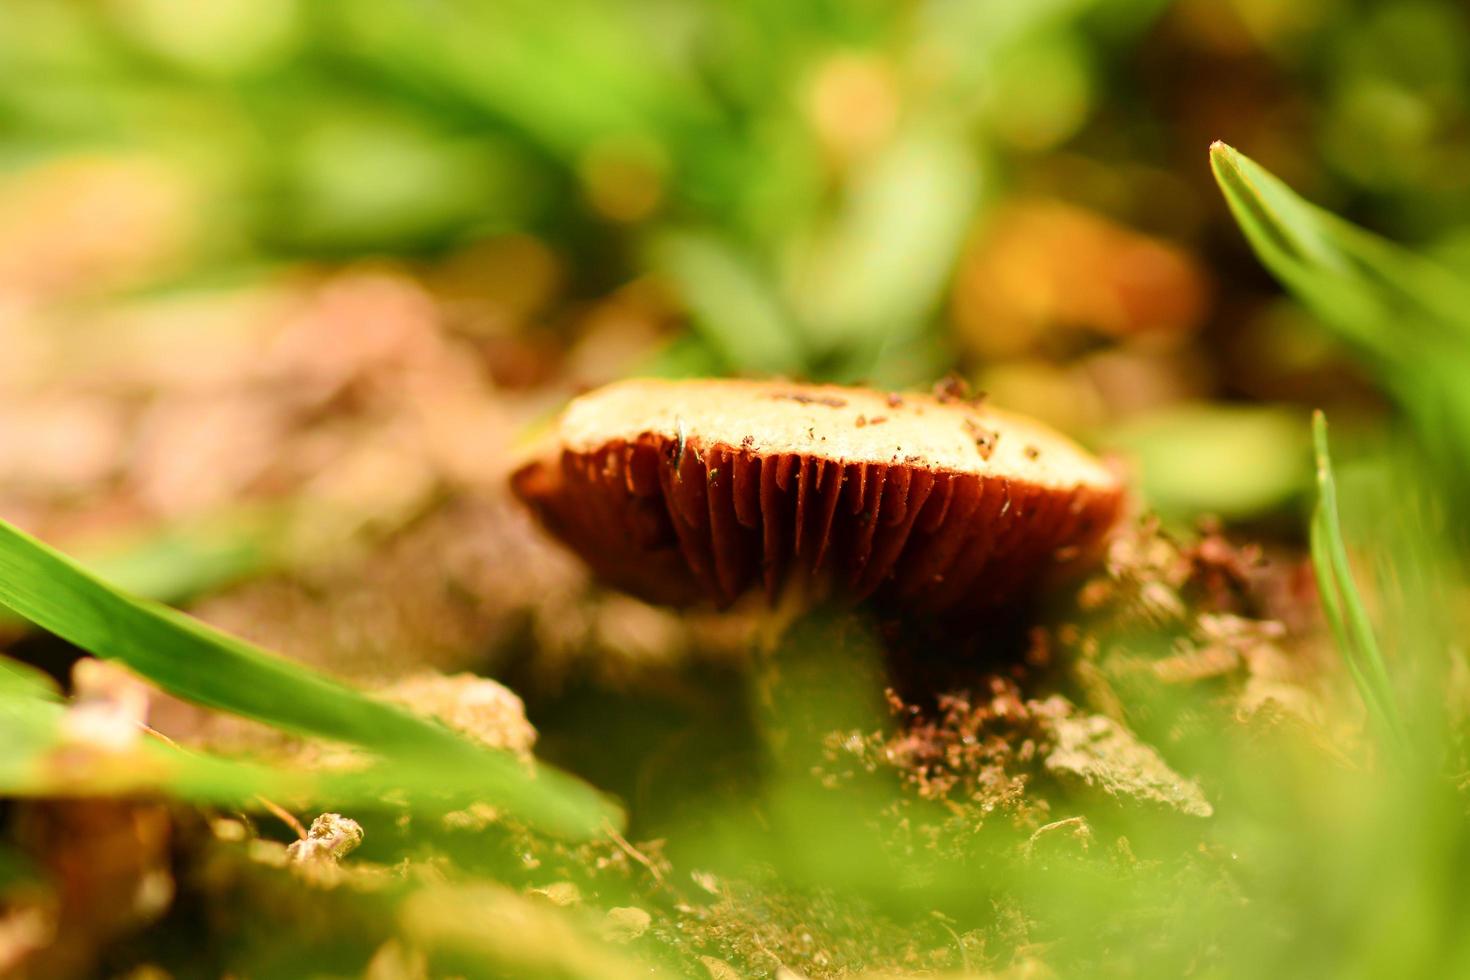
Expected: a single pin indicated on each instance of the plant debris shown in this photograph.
(1094, 754)
(331, 838)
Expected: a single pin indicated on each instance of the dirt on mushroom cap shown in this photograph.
(824, 420)
(677, 491)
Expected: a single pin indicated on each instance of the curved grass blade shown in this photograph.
(1407, 317)
(1366, 287)
(177, 562)
(201, 664)
(44, 758)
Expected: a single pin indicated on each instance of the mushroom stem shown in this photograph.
(818, 670)
(795, 601)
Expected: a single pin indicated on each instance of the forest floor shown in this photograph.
(783, 822)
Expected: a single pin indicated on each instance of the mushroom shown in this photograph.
(678, 491)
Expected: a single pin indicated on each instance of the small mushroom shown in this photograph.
(678, 491)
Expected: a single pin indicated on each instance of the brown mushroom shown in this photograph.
(678, 491)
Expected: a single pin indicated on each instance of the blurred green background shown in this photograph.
(856, 191)
(283, 285)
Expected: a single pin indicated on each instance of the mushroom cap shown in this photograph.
(678, 491)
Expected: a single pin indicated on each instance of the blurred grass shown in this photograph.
(198, 663)
(1233, 461)
(1347, 617)
(804, 179)
(1407, 317)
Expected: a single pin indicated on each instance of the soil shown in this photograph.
(1018, 749)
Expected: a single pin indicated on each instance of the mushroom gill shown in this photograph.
(677, 491)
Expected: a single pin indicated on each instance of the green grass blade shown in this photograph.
(42, 758)
(198, 663)
(1327, 590)
(1368, 288)
(1342, 604)
(178, 562)
(1408, 317)
(1356, 612)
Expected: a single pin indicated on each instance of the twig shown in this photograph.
(634, 853)
(280, 812)
(285, 816)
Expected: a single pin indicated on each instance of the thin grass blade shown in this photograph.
(1407, 317)
(201, 664)
(1347, 616)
